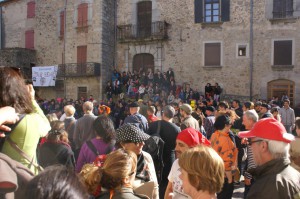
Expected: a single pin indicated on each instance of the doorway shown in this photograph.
(278, 88)
(143, 63)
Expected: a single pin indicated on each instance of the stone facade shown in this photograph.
(184, 50)
(52, 48)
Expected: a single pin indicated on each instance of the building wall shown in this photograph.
(184, 51)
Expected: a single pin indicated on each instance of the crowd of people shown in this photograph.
(105, 149)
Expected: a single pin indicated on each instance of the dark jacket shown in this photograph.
(275, 179)
(125, 193)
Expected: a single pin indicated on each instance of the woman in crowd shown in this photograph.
(57, 182)
(114, 179)
(103, 143)
(32, 125)
(132, 138)
(275, 113)
(224, 145)
(56, 149)
(202, 172)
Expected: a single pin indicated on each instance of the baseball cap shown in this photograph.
(268, 128)
(186, 108)
(192, 137)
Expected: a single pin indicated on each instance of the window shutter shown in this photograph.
(198, 11)
(225, 12)
(29, 39)
(81, 54)
(283, 51)
(82, 16)
(62, 24)
(31, 9)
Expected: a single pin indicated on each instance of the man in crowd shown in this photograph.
(168, 132)
(287, 116)
(265, 111)
(136, 118)
(188, 120)
(84, 127)
(186, 139)
(70, 123)
(250, 117)
(270, 144)
(209, 121)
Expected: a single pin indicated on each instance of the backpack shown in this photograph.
(154, 146)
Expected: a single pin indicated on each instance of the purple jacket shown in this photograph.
(86, 155)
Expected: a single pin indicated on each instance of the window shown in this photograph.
(29, 39)
(31, 9)
(212, 11)
(283, 52)
(212, 54)
(82, 15)
(81, 59)
(62, 24)
(242, 50)
(282, 8)
(144, 18)
(82, 92)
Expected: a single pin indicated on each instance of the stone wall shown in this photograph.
(184, 51)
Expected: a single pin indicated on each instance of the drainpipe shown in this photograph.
(251, 49)
(64, 46)
(115, 35)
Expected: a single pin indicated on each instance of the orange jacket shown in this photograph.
(226, 149)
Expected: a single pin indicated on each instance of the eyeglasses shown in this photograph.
(250, 142)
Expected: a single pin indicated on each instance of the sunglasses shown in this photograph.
(250, 142)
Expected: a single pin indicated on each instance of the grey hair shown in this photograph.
(252, 115)
(278, 149)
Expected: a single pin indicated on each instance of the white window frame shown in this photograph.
(238, 45)
(293, 49)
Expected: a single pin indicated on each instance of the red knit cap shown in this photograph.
(192, 137)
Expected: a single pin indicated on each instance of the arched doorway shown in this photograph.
(143, 62)
(278, 88)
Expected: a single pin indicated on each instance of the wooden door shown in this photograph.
(143, 62)
(81, 59)
(278, 88)
(144, 19)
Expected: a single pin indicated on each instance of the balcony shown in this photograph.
(88, 69)
(130, 32)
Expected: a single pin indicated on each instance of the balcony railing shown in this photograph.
(157, 31)
(78, 69)
(282, 14)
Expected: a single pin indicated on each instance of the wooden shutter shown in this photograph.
(198, 11)
(81, 59)
(62, 24)
(225, 12)
(144, 22)
(283, 52)
(212, 54)
(29, 39)
(82, 15)
(31, 9)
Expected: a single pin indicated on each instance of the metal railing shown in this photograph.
(282, 14)
(78, 69)
(157, 31)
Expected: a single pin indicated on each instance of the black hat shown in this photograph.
(267, 106)
(134, 104)
(210, 108)
(130, 132)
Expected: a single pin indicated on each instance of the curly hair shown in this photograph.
(104, 128)
(13, 91)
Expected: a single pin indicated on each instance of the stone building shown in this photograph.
(215, 41)
(76, 35)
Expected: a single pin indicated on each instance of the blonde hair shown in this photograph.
(69, 110)
(205, 168)
(118, 165)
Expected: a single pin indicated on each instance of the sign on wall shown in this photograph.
(44, 75)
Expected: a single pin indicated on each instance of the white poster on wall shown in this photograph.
(44, 75)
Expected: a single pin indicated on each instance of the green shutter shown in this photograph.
(225, 12)
(198, 11)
